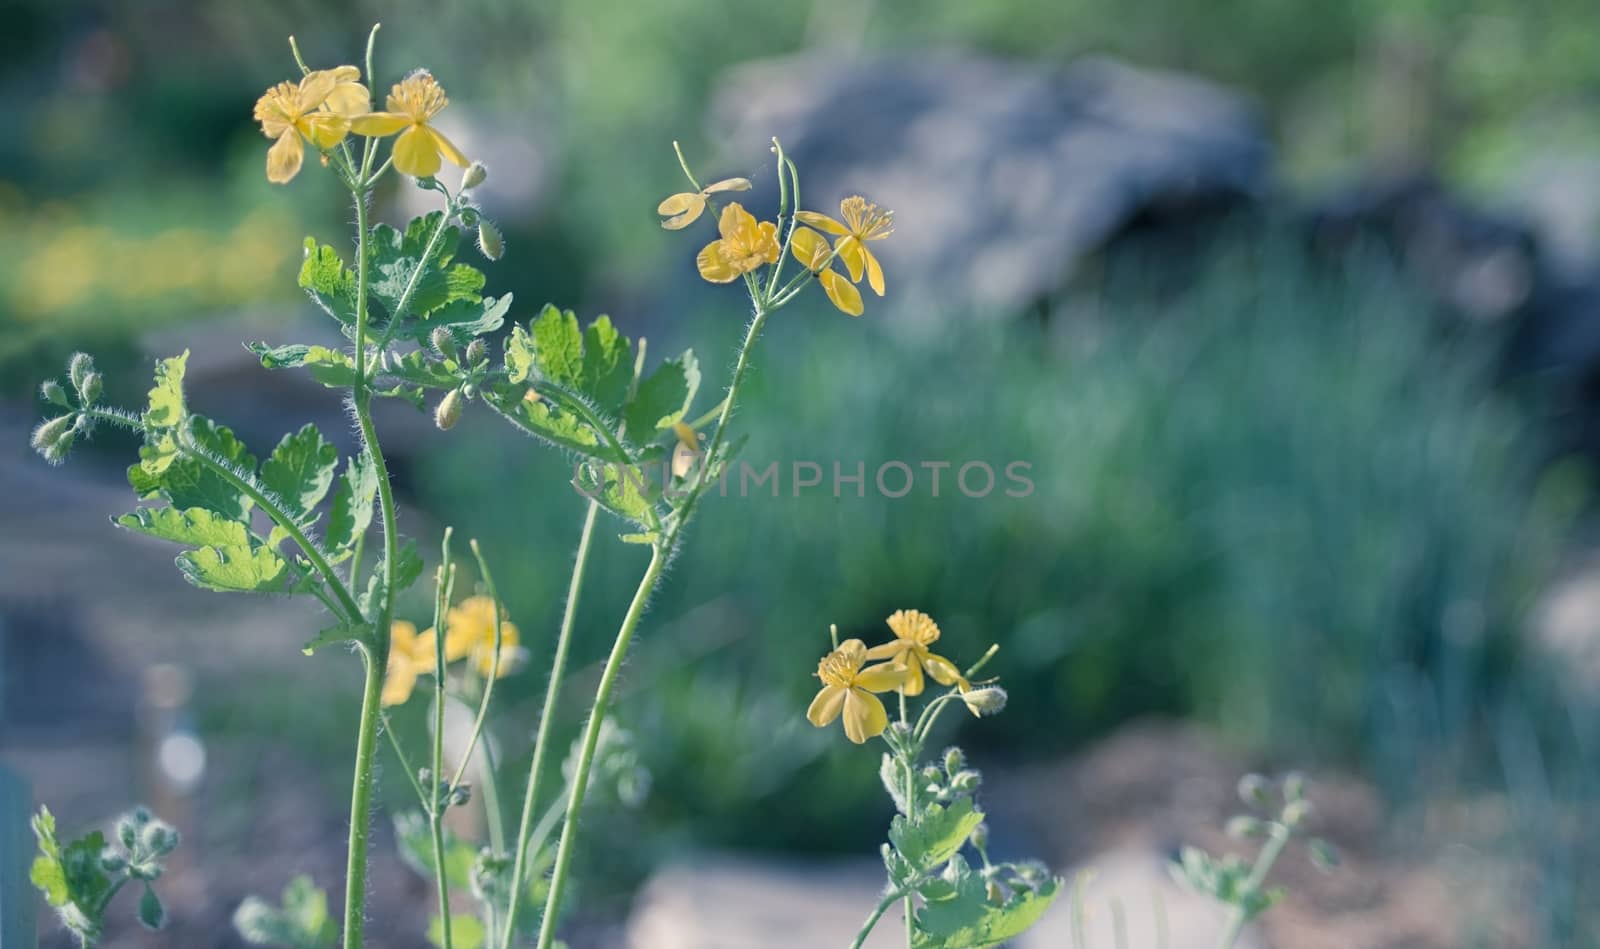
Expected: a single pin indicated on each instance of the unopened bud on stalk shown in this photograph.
(1253, 790)
(980, 836)
(53, 438)
(90, 391)
(51, 391)
(989, 700)
(443, 342)
(954, 760)
(477, 351)
(965, 782)
(1294, 786)
(1244, 826)
(78, 368)
(490, 243)
(1296, 812)
(449, 411)
(475, 175)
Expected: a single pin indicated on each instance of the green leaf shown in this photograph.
(188, 483)
(417, 367)
(324, 276)
(71, 877)
(408, 567)
(607, 366)
(968, 920)
(166, 399)
(466, 932)
(342, 633)
(466, 319)
(938, 836)
(301, 923)
(623, 490)
(235, 569)
(300, 470)
(412, 834)
(330, 367)
(151, 913)
(558, 347)
(351, 513)
(519, 356)
(662, 399)
(398, 268)
(196, 526)
(557, 426)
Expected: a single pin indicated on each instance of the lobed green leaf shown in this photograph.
(300, 470)
(235, 569)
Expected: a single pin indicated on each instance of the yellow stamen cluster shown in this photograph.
(847, 687)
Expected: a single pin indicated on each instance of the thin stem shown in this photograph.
(558, 668)
(1278, 838)
(405, 762)
(911, 808)
(888, 900)
(438, 801)
(591, 740)
(402, 304)
(494, 668)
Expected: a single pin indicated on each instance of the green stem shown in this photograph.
(437, 800)
(1270, 852)
(591, 740)
(494, 668)
(361, 800)
(877, 913)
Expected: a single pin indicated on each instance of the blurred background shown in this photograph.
(1291, 308)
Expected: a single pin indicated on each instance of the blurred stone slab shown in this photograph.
(719, 902)
(1001, 175)
(1155, 911)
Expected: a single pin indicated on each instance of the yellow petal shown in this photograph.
(284, 157)
(416, 154)
(315, 88)
(864, 716)
(447, 148)
(825, 707)
(324, 129)
(810, 248)
(398, 680)
(736, 223)
(889, 650)
(874, 271)
(943, 670)
(402, 636)
(714, 265)
(914, 682)
(850, 250)
(728, 184)
(767, 246)
(348, 99)
(681, 210)
(270, 112)
(822, 222)
(841, 291)
(882, 678)
(378, 124)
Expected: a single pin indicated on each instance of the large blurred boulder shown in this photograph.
(1001, 175)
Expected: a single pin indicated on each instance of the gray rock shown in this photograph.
(1001, 175)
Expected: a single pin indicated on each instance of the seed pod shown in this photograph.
(449, 411)
(51, 391)
(490, 243)
(475, 175)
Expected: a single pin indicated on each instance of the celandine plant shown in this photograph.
(302, 522)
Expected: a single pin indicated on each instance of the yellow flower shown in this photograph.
(745, 246)
(914, 633)
(412, 102)
(811, 249)
(317, 110)
(686, 450)
(469, 633)
(683, 209)
(862, 222)
(848, 688)
(407, 660)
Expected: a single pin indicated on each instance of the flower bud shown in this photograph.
(79, 367)
(965, 782)
(53, 438)
(112, 862)
(1253, 790)
(475, 175)
(954, 760)
(51, 391)
(1244, 826)
(989, 700)
(90, 390)
(1323, 855)
(477, 351)
(449, 411)
(980, 836)
(443, 343)
(490, 243)
(996, 895)
(460, 795)
(1294, 786)
(1296, 812)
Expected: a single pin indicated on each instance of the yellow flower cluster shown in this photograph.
(328, 104)
(745, 245)
(468, 634)
(847, 687)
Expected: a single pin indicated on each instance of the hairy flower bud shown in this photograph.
(443, 342)
(965, 782)
(90, 391)
(449, 411)
(1296, 812)
(79, 367)
(475, 175)
(477, 351)
(490, 243)
(1253, 790)
(980, 836)
(954, 760)
(1244, 826)
(51, 391)
(1294, 786)
(989, 700)
(53, 438)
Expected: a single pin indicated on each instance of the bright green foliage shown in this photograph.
(408, 567)
(937, 835)
(968, 918)
(328, 366)
(607, 368)
(558, 347)
(353, 498)
(324, 276)
(195, 525)
(663, 398)
(466, 932)
(235, 569)
(301, 921)
(412, 835)
(300, 470)
(403, 282)
(166, 398)
(200, 478)
(79, 879)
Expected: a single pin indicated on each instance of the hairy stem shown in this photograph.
(541, 744)
(888, 900)
(591, 739)
(437, 800)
